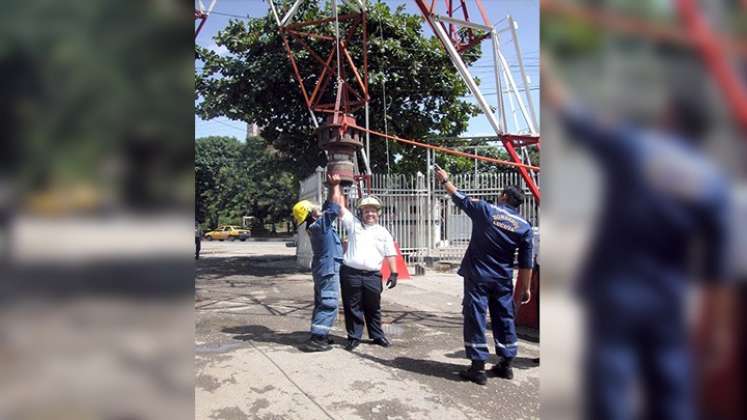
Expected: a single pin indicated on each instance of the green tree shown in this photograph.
(254, 82)
(215, 179)
(235, 179)
(84, 94)
(273, 188)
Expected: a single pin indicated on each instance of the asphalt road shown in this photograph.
(253, 309)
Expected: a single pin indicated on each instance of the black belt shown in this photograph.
(361, 272)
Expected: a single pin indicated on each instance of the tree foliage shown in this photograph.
(254, 82)
(95, 86)
(235, 179)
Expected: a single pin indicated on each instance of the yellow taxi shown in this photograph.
(228, 232)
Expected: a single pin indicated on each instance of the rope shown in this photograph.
(448, 151)
(337, 45)
(707, 44)
(383, 90)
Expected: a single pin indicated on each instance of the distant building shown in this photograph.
(253, 130)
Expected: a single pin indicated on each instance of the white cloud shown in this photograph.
(220, 50)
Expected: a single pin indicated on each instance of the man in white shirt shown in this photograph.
(360, 275)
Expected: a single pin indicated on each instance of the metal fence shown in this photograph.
(456, 227)
(418, 213)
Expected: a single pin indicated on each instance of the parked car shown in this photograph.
(231, 233)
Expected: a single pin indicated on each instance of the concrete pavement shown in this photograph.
(253, 309)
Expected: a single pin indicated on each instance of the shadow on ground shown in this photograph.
(214, 268)
(262, 334)
(518, 363)
(443, 370)
(432, 368)
(437, 369)
(429, 319)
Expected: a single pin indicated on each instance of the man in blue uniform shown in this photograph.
(661, 197)
(497, 232)
(325, 265)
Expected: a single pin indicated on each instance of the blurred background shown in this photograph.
(96, 209)
(97, 195)
(620, 62)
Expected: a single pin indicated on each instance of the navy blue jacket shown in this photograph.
(660, 195)
(497, 232)
(325, 243)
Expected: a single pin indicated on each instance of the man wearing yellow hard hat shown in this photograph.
(325, 265)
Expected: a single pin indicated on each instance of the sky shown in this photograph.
(524, 12)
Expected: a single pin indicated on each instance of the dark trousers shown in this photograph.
(643, 345)
(361, 299)
(495, 296)
(198, 245)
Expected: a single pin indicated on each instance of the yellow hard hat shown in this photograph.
(301, 211)
(369, 201)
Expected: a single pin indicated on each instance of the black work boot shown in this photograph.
(503, 369)
(352, 344)
(316, 343)
(475, 373)
(381, 341)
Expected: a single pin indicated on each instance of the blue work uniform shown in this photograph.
(497, 232)
(659, 195)
(325, 268)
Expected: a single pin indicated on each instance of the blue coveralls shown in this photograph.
(487, 268)
(325, 269)
(660, 194)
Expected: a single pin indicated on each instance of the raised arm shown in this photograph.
(331, 209)
(443, 178)
(334, 194)
(605, 137)
(470, 206)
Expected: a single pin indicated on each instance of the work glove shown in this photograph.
(392, 281)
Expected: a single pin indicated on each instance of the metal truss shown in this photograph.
(202, 13)
(336, 64)
(458, 35)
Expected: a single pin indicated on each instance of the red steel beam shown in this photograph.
(327, 72)
(507, 144)
(483, 13)
(707, 44)
(311, 35)
(621, 23)
(533, 187)
(202, 16)
(354, 70)
(296, 73)
(320, 21)
(313, 53)
(711, 45)
(321, 82)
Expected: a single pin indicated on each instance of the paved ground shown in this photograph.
(253, 309)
